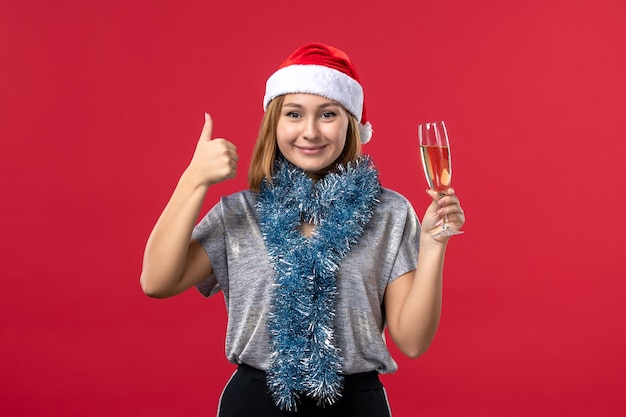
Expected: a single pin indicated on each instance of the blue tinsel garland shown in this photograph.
(305, 359)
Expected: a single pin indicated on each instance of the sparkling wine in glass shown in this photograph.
(435, 151)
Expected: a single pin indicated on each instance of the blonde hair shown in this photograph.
(266, 149)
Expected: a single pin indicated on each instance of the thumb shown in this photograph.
(207, 129)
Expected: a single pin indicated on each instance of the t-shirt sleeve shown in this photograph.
(408, 248)
(209, 232)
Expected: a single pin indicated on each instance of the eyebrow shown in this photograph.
(321, 106)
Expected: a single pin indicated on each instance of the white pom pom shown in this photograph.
(365, 132)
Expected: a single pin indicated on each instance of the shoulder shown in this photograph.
(239, 195)
(395, 209)
(232, 205)
(237, 209)
(238, 199)
(393, 200)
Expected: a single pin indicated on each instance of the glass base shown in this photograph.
(447, 231)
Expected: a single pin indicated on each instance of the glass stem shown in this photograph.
(444, 226)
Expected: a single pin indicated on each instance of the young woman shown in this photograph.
(314, 260)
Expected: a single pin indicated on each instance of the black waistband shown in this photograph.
(352, 382)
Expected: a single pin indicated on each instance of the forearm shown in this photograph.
(419, 316)
(167, 248)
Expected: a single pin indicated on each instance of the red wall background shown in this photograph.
(101, 104)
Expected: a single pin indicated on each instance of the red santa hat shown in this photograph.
(320, 69)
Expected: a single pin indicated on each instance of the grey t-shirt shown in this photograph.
(242, 270)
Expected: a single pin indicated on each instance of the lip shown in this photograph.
(310, 150)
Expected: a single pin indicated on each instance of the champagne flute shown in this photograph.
(435, 151)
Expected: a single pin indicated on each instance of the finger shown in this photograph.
(449, 200)
(439, 195)
(207, 129)
(449, 211)
(433, 194)
(228, 146)
(233, 170)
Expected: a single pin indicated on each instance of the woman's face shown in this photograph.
(311, 131)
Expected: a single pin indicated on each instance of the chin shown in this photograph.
(315, 168)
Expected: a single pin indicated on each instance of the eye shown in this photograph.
(328, 114)
(292, 114)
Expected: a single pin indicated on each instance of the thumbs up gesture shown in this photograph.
(214, 160)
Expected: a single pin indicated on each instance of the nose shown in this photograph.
(311, 130)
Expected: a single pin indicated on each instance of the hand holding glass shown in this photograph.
(435, 150)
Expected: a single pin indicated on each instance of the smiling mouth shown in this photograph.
(311, 150)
